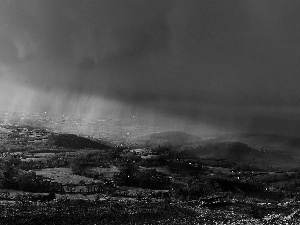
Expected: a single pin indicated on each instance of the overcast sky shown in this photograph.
(222, 64)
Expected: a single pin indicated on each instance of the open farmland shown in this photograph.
(124, 181)
(107, 173)
(63, 176)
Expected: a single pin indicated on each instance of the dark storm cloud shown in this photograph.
(87, 64)
(185, 57)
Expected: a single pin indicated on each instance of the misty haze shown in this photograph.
(149, 112)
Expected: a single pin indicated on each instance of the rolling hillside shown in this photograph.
(269, 142)
(239, 152)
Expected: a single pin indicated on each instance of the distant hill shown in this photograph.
(238, 152)
(76, 142)
(265, 141)
(261, 150)
(168, 138)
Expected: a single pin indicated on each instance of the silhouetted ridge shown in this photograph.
(76, 142)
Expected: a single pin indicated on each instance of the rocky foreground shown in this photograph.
(144, 212)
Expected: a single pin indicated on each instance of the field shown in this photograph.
(63, 176)
(107, 173)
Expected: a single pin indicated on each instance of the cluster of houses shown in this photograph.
(145, 153)
(23, 135)
(83, 187)
(36, 135)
